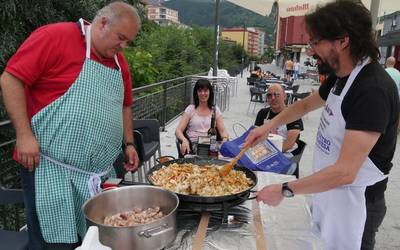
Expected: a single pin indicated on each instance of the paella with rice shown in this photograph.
(191, 179)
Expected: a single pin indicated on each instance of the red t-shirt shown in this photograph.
(50, 60)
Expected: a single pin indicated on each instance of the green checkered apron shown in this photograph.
(80, 136)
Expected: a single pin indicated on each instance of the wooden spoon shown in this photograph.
(229, 166)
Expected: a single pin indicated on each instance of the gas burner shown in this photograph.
(220, 211)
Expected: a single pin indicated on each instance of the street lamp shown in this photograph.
(216, 38)
(243, 51)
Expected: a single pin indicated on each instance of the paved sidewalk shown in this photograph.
(388, 236)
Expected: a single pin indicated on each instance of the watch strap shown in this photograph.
(286, 189)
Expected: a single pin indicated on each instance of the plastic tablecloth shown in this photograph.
(287, 226)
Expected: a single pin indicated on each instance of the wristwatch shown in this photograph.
(286, 191)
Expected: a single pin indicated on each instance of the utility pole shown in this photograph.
(243, 51)
(216, 38)
(374, 9)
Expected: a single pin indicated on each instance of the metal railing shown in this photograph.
(166, 100)
(163, 101)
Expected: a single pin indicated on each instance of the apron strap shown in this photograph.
(94, 178)
(87, 33)
(353, 75)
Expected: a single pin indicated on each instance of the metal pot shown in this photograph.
(154, 235)
(207, 199)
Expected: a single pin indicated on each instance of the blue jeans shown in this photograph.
(376, 210)
(296, 74)
(36, 241)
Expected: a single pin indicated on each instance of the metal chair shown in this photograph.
(251, 80)
(299, 96)
(295, 88)
(16, 240)
(147, 139)
(297, 154)
(119, 166)
(256, 96)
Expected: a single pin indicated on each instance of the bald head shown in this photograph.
(276, 97)
(390, 62)
(276, 88)
(117, 10)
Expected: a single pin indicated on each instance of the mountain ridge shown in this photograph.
(201, 13)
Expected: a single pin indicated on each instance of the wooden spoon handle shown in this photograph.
(241, 154)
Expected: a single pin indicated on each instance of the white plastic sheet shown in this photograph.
(287, 226)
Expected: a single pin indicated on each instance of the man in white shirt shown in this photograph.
(392, 71)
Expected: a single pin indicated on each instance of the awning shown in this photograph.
(301, 7)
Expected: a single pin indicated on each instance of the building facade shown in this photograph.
(162, 15)
(249, 35)
(389, 39)
(292, 39)
(261, 40)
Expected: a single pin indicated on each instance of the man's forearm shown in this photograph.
(127, 120)
(14, 99)
(320, 181)
(128, 128)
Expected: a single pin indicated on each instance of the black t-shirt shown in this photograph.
(371, 104)
(267, 113)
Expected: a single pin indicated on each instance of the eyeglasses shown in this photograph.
(313, 43)
(276, 95)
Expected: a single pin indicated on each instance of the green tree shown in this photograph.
(18, 18)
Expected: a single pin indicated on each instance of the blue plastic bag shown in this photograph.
(262, 157)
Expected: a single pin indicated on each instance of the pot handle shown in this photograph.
(148, 233)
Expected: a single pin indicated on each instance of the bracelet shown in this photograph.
(130, 144)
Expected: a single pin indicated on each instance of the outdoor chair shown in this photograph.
(256, 96)
(147, 140)
(119, 165)
(297, 154)
(299, 96)
(252, 80)
(261, 86)
(16, 240)
(295, 88)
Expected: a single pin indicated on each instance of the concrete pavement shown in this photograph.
(388, 235)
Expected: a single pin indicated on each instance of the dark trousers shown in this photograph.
(36, 241)
(376, 210)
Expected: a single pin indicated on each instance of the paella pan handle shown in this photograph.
(249, 198)
(148, 233)
(164, 158)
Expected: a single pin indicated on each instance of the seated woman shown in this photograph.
(196, 119)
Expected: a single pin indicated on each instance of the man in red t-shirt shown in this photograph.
(67, 91)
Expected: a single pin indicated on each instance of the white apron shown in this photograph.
(339, 214)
